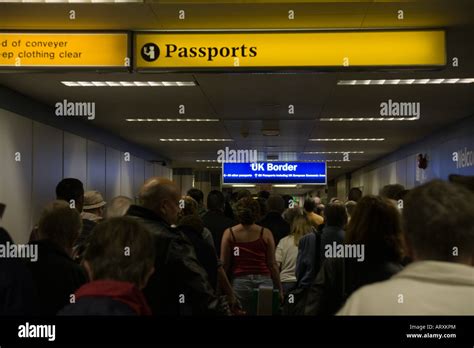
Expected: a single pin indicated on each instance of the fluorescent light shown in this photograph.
(242, 185)
(70, 83)
(404, 81)
(172, 119)
(128, 83)
(113, 84)
(85, 84)
(348, 139)
(285, 185)
(99, 83)
(367, 119)
(329, 152)
(194, 139)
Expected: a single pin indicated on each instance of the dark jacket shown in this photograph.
(277, 225)
(217, 223)
(339, 278)
(108, 297)
(311, 253)
(56, 277)
(308, 261)
(17, 291)
(205, 252)
(83, 239)
(329, 235)
(178, 276)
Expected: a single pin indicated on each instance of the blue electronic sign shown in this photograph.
(274, 173)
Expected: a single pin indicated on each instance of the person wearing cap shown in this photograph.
(92, 212)
(93, 208)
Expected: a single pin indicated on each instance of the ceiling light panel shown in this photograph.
(367, 119)
(172, 119)
(347, 139)
(193, 139)
(128, 83)
(404, 81)
(329, 152)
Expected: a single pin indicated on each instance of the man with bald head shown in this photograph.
(180, 285)
(161, 196)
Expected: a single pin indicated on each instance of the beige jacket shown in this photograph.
(422, 288)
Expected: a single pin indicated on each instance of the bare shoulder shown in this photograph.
(267, 234)
(226, 233)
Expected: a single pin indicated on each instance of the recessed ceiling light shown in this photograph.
(404, 81)
(213, 167)
(172, 119)
(194, 139)
(206, 161)
(329, 152)
(367, 119)
(128, 83)
(348, 139)
(334, 167)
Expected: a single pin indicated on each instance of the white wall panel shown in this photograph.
(47, 165)
(126, 176)
(138, 174)
(157, 169)
(401, 169)
(167, 172)
(149, 170)
(341, 188)
(95, 167)
(112, 173)
(184, 182)
(47, 156)
(16, 174)
(411, 171)
(356, 179)
(75, 157)
(392, 173)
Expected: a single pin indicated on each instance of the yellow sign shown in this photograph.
(64, 50)
(287, 50)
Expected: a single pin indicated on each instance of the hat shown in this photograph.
(93, 200)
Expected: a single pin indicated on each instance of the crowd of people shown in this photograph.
(399, 252)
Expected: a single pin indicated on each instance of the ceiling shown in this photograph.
(239, 14)
(246, 102)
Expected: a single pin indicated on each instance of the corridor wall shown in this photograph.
(34, 157)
